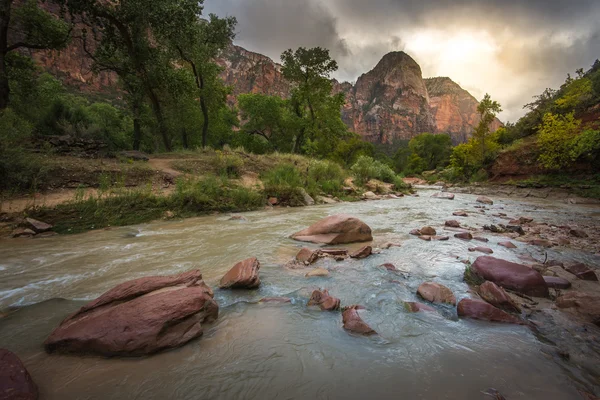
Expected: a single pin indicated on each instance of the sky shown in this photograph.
(511, 49)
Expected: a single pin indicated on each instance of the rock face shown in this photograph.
(389, 102)
(322, 299)
(478, 309)
(243, 275)
(139, 317)
(436, 293)
(354, 323)
(454, 110)
(511, 275)
(496, 296)
(336, 229)
(15, 381)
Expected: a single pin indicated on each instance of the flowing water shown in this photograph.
(287, 351)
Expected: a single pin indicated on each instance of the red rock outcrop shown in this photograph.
(139, 317)
(15, 381)
(322, 299)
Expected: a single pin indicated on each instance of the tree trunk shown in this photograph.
(159, 117)
(5, 6)
(184, 139)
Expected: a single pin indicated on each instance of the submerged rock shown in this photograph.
(275, 300)
(582, 272)
(442, 195)
(436, 293)
(336, 229)
(317, 272)
(485, 200)
(508, 245)
(497, 297)
(414, 306)
(15, 381)
(138, 317)
(481, 249)
(322, 299)
(362, 253)
(460, 214)
(354, 323)
(243, 275)
(479, 309)
(586, 305)
(510, 275)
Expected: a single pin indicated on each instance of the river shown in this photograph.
(288, 351)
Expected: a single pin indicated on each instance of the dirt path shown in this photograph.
(164, 165)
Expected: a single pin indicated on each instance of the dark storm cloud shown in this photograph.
(538, 41)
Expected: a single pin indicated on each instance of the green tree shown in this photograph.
(487, 109)
(309, 71)
(37, 29)
(556, 135)
(198, 46)
(124, 34)
(434, 150)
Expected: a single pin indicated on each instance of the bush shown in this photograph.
(366, 169)
(326, 177)
(285, 183)
(19, 169)
(556, 135)
(399, 184)
(229, 165)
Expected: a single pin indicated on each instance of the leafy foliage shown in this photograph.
(556, 135)
(366, 168)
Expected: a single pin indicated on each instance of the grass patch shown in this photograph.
(128, 207)
(285, 183)
(471, 278)
(325, 177)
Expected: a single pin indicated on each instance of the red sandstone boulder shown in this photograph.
(464, 236)
(555, 282)
(480, 249)
(440, 238)
(460, 214)
(582, 272)
(443, 195)
(324, 300)
(362, 253)
(414, 306)
(510, 275)
(508, 245)
(336, 229)
(306, 255)
(427, 231)
(415, 232)
(452, 223)
(481, 239)
(496, 296)
(485, 200)
(479, 309)
(436, 293)
(139, 317)
(354, 323)
(243, 275)
(15, 381)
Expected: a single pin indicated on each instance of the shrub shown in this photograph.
(229, 165)
(366, 169)
(19, 169)
(400, 185)
(326, 177)
(285, 183)
(555, 139)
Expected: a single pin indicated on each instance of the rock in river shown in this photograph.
(464, 236)
(508, 245)
(362, 253)
(496, 296)
(452, 223)
(485, 200)
(511, 275)
(555, 282)
(354, 323)
(586, 305)
(481, 249)
(243, 275)
(336, 229)
(428, 231)
(443, 195)
(414, 306)
(322, 299)
(138, 317)
(15, 381)
(479, 309)
(436, 293)
(582, 272)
